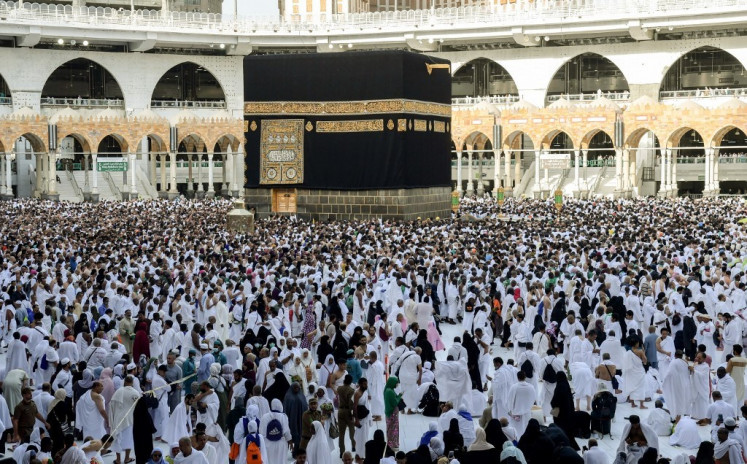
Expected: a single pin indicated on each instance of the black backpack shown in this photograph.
(527, 368)
(549, 375)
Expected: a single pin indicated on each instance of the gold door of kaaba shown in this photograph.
(283, 200)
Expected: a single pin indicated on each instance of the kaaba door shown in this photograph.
(283, 200)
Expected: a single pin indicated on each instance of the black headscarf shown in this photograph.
(535, 444)
(427, 354)
(294, 405)
(494, 434)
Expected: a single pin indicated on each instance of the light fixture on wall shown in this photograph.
(60, 42)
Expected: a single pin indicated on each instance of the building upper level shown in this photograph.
(523, 23)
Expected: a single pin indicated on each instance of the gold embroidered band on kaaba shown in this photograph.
(349, 108)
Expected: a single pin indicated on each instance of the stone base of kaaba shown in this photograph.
(326, 205)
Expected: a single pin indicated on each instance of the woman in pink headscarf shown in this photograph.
(108, 383)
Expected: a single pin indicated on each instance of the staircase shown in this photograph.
(522, 187)
(144, 188)
(105, 191)
(607, 183)
(68, 187)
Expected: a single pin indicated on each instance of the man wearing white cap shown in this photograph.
(64, 379)
(207, 359)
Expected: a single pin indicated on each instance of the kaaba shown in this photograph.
(352, 135)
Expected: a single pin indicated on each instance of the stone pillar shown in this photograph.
(238, 175)
(211, 189)
(537, 180)
(52, 192)
(663, 169)
(86, 177)
(39, 186)
(133, 176)
(173, 192)
(715, 185)
(496, 171)
(9, 174)
(626, 170)
(153, 173)
(3, 182)
(618, 172)
(224, 173)
(200, 187)
(470, 186)
(190, 181)
(94, 178)
(673, 160)
(576, 169)
(162, 191)
(480, 186)
(509, 185)
(517, 167)
(585, 161)
(459, 172)
(708, 167)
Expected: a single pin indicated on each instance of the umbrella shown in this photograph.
(742, 221)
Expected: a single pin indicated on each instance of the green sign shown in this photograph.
(112, 166)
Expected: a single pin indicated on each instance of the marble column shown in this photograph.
(663, 171)
(153, 173)
(618, 171)
(715, 185)
(238, 176)
(517, 167)
(94, 177)
(576, 169)
(200, 187)
(52, 192)
(163, 190)
(211, 187)
(133, 176)
(459, 172)
(3, 182)
(190, 181)
(496, 171)
(673, 160)
(708, 166)
(173, 192)
(537, 180)
(508, 184)
(480, 186)
(470, 178)
(626, 170)
(585, 172)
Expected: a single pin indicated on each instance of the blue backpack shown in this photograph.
(274, 430)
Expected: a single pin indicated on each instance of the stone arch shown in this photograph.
(102, 86)
(586, 139)
(719, 134)
(121, 140)
(550, 137)
(674, 138)
(680, 62)
(37, 142)
(225, 140)
(82, 139)
(634, 138)
(513, 140)
(477, 140)
(161, 90)
(157, 144)
(477, 73)
(599, 75)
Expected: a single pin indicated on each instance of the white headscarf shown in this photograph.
(317, 451)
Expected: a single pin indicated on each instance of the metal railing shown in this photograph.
(702, 93)
(90, 102)
(187, 104)
(195, 164)
(495, 100)
(74, 183)
(112, 186)
(590, 97)
(6, 101)
(520, 12)
(596, 163)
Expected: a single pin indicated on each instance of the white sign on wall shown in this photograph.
(555, 160)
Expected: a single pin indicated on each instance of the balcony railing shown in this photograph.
(520, 12)
(195, 164)
(590, 97)
(89, 102)
(495, 100)
(702, 93)
(187, 104)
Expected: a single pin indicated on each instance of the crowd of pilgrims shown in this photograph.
(133, 324)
